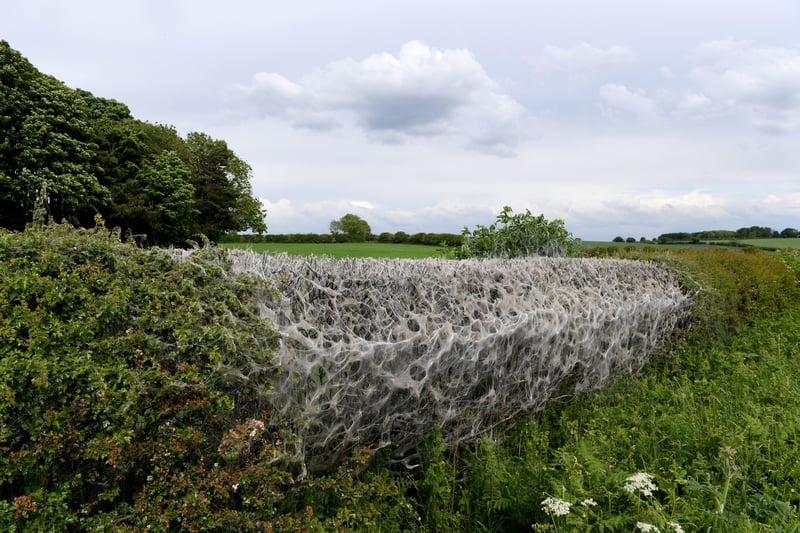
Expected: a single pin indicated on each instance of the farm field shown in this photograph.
(342, 249)
(638, 245)
(409, 251)
(781, 244)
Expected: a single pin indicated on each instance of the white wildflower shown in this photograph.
(589, 502)
(676, 527)
(641, 482)
(235, 487)
(255, 425)
(646, 528)
(556, 507)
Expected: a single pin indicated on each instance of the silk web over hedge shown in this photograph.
(381, 353)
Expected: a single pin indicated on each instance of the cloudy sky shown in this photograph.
(621, 117)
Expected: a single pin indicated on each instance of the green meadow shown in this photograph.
(342, 249)
(779, 244)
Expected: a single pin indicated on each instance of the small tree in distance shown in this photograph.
(350, 228)
(518, 235)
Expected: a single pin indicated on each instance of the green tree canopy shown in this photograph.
(46, 144)
(223, 197)
(350, 227)
(91, 156)
(166, 183)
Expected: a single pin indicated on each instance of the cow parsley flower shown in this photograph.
(556, 507)
(641, 482)
(676, 527)
(589, 502)
(646, 528)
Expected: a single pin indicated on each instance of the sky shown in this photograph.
(623, 118)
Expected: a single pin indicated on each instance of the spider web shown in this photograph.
(381, 353)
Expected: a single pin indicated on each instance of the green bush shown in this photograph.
(134, 394)
(116, 365)
(518, 235)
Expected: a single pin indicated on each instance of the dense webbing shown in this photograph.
(381, 353)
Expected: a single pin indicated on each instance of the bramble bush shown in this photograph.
(134, 394)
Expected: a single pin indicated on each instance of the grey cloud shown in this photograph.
(762, 84)
(421, 91)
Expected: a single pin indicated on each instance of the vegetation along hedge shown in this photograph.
(142, 389)
(133, 394)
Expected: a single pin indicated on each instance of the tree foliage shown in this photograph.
(518, 235)
(89, 156)
(350, 227)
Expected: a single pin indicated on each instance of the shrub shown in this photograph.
(518, 235)
(117, 367)
(134, 394)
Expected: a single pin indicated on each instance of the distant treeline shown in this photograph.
(401, 237)
(753, 232)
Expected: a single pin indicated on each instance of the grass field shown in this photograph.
(778, 244)
(410, 251)
(417, 251)
(781, 244)
(343, 249)
(678, 246)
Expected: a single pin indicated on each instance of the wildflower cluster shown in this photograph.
(642, 483)
(556, 507)
(650, 528)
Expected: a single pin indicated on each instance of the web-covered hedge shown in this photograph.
(382, 353)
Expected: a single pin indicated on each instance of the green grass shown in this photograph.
(410, 251)
(638, 245)
(781, 244)
(778, 244)
(342, 249)
(715, 424)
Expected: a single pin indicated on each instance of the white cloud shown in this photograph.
(619, 98)
(361, 204)
(761, 84)
(281, 209)
(420, 92)
(582, 56)
(693, 106)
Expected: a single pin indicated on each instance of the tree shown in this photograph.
(223, 195)
(170, 198)
(46, 144)
(77, 155)
(518, 235)
(790, 233)
(350, 227)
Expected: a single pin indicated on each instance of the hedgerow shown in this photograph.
(133, 395)
(146, 389)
